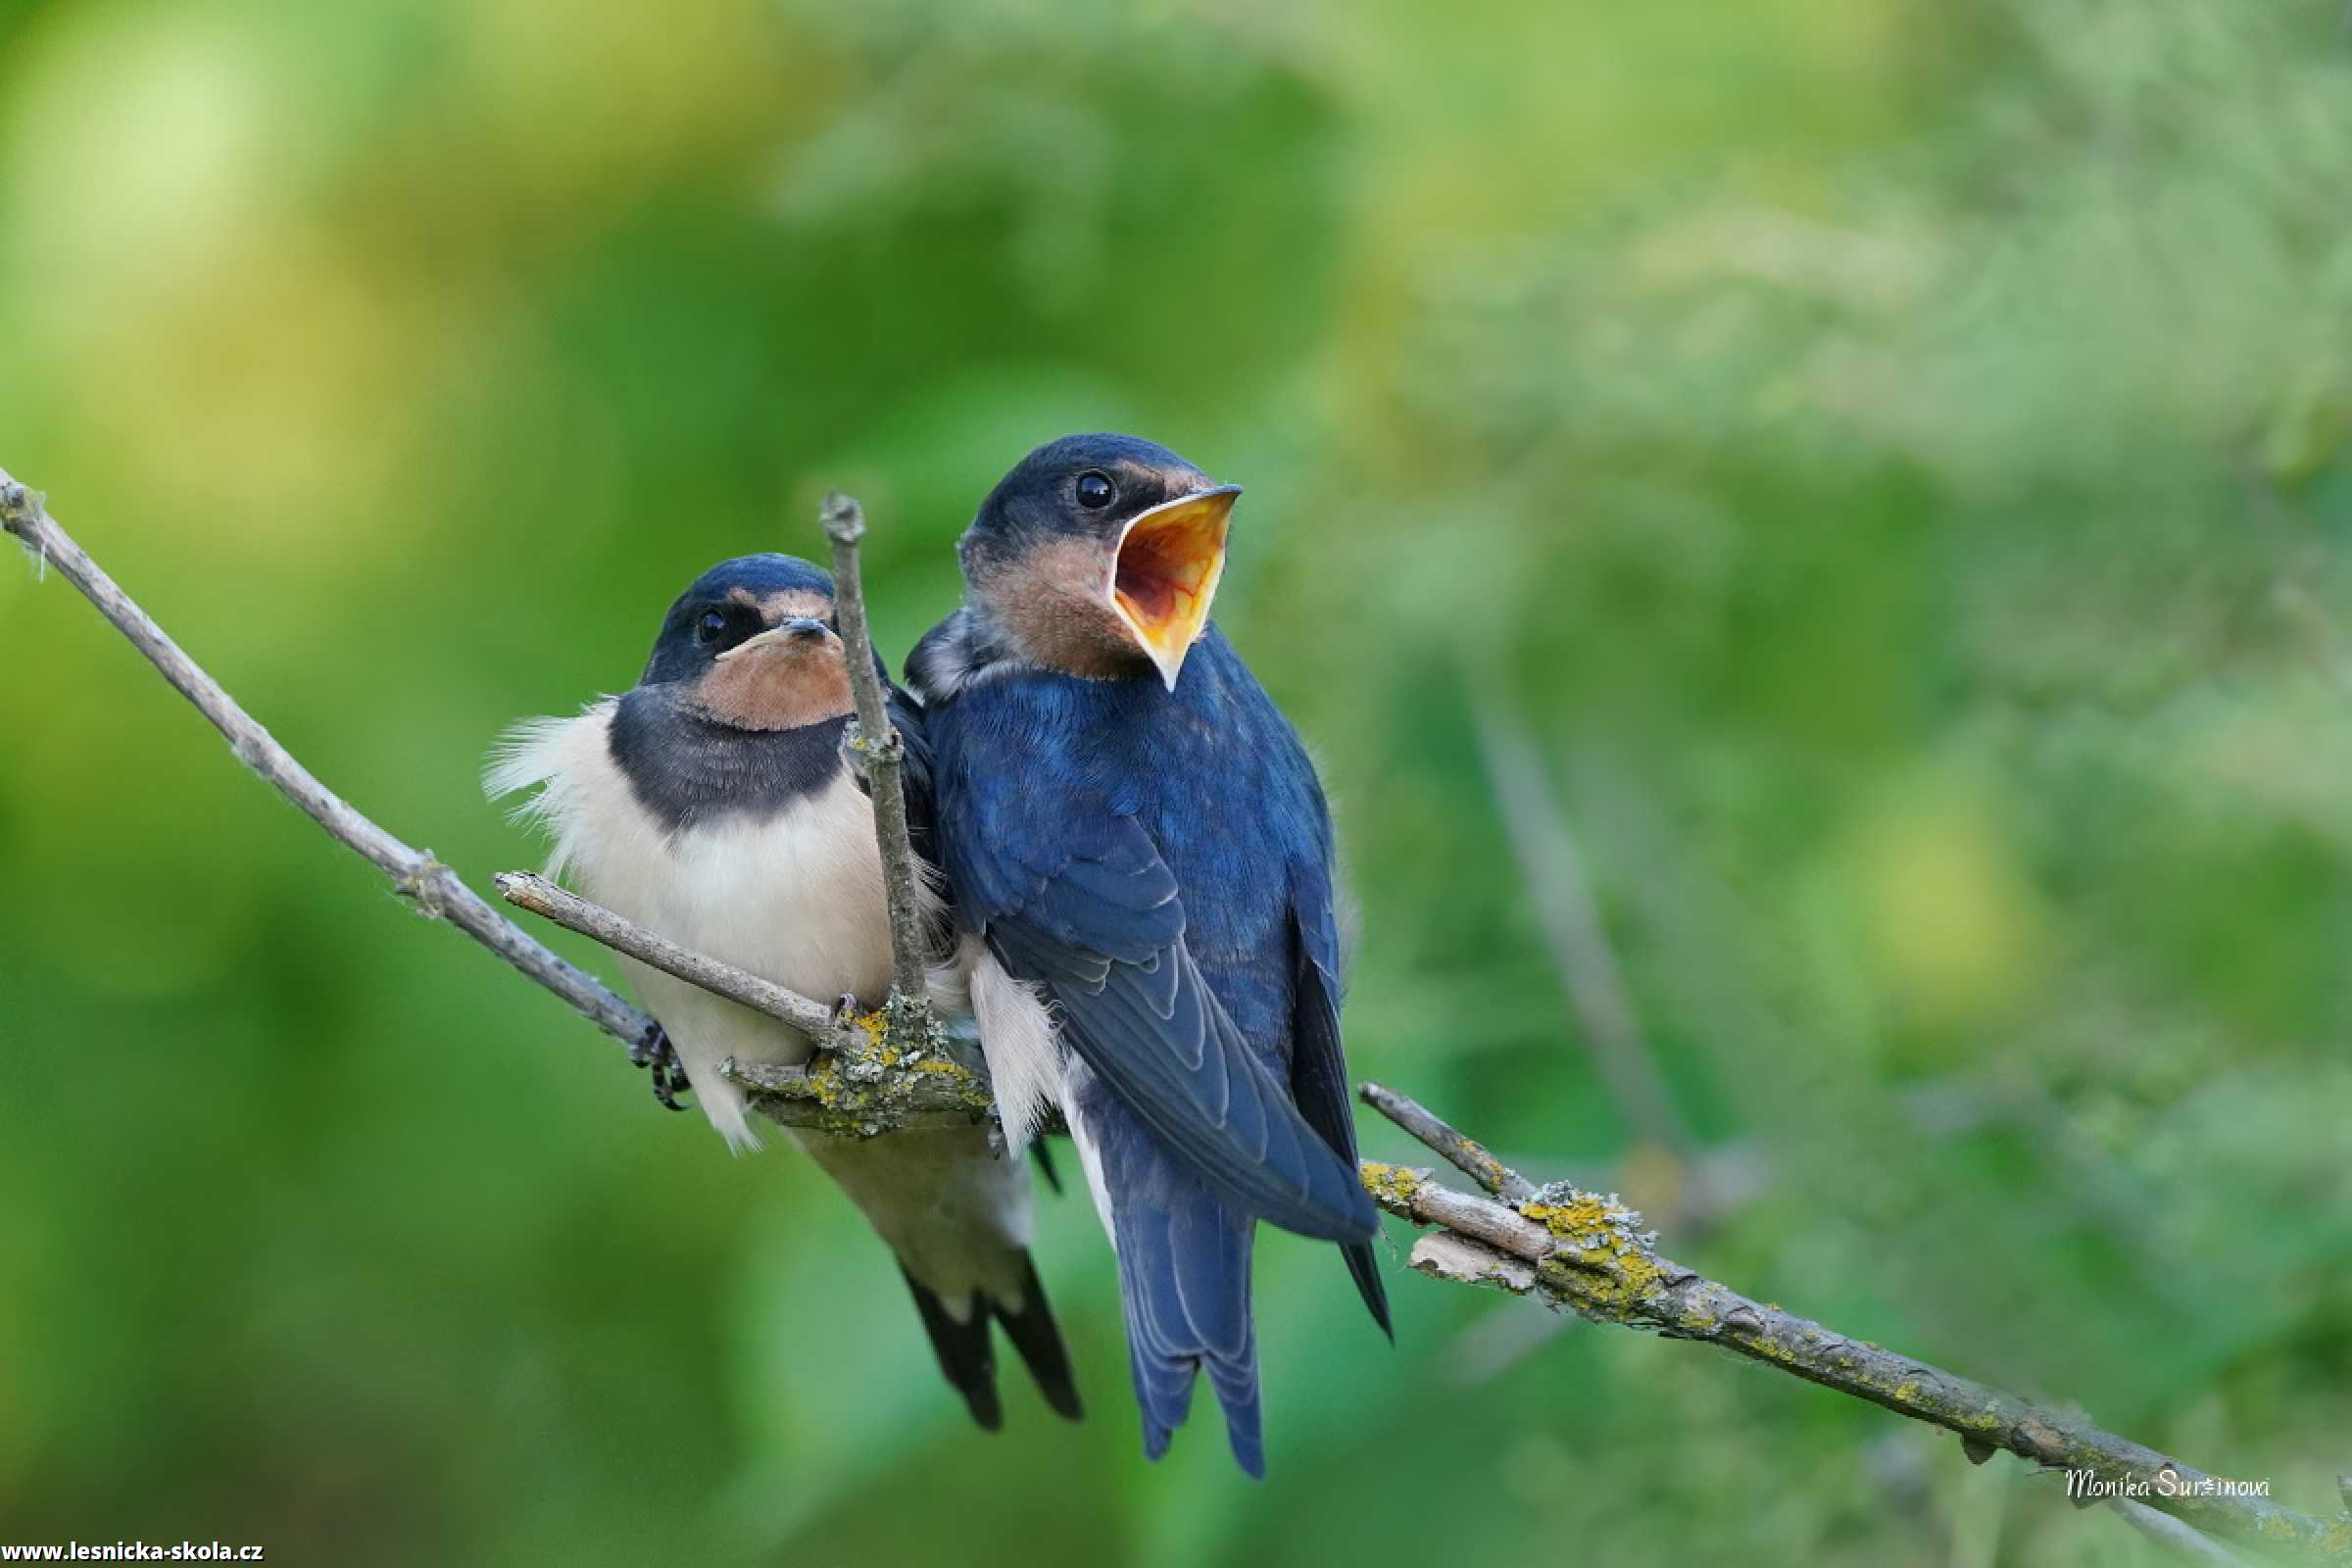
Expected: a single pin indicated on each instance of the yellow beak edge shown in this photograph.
(1166, 572)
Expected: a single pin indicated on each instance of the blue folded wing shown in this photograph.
(1072, 895)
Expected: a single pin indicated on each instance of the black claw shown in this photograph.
(669, 1073)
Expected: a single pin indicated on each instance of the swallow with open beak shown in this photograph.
(1141, 865)
(712, 804)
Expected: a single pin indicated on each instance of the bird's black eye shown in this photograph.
(708, 628)
(1096, 491)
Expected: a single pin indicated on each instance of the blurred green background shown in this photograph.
(1886, 465)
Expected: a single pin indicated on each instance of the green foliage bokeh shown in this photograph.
(1892, 460)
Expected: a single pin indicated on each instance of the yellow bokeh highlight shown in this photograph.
(1954, 923)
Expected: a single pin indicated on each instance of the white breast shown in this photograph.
(796, 898)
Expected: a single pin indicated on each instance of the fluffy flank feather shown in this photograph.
(1016, 1035)
(543, 756)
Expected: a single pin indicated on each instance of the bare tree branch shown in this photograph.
(432, 887)
(527, 891)
(881, 755)
(1467, 1154)
(1588, 1253)
(861, 1084)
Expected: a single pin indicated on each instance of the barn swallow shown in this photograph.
(712, 804)
(1140, 862)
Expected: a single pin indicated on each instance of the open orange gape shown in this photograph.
(1169, 561)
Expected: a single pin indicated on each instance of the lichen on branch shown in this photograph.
(866, 1085)
(1589, 1255)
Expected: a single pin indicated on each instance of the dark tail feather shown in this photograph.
(1319, 1079)
(1045, 1165)
(1163, 1389)
(1363, 1265)
(1320, 1085)
(1235, 1386)
(1184, 1280)
(966, 1353)
(1034, 1334)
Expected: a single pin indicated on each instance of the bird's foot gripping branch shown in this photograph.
(863, 1081)
(1573, 1250)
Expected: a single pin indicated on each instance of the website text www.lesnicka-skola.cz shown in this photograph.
(131, 1552)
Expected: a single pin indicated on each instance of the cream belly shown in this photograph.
(796, 897)
(797, 900)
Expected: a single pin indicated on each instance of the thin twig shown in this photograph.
(432, 887)
(1589, 1255)
(2175, 1535)
(1556, 880)
(880, 753)
(1467, 1154)
(569, 910)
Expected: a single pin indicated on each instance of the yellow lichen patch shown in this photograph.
(1641, 1272)
(1603, 1262)
(1390, 1184)
(1905, 1393)
(1583, 1216)
(1603, 1280)
(824, 1077)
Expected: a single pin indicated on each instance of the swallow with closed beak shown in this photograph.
(713, 804)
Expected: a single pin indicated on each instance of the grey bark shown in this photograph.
(879, 752)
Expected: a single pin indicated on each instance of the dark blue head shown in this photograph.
(752, 644)
(730, 604)
(1100, 555)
